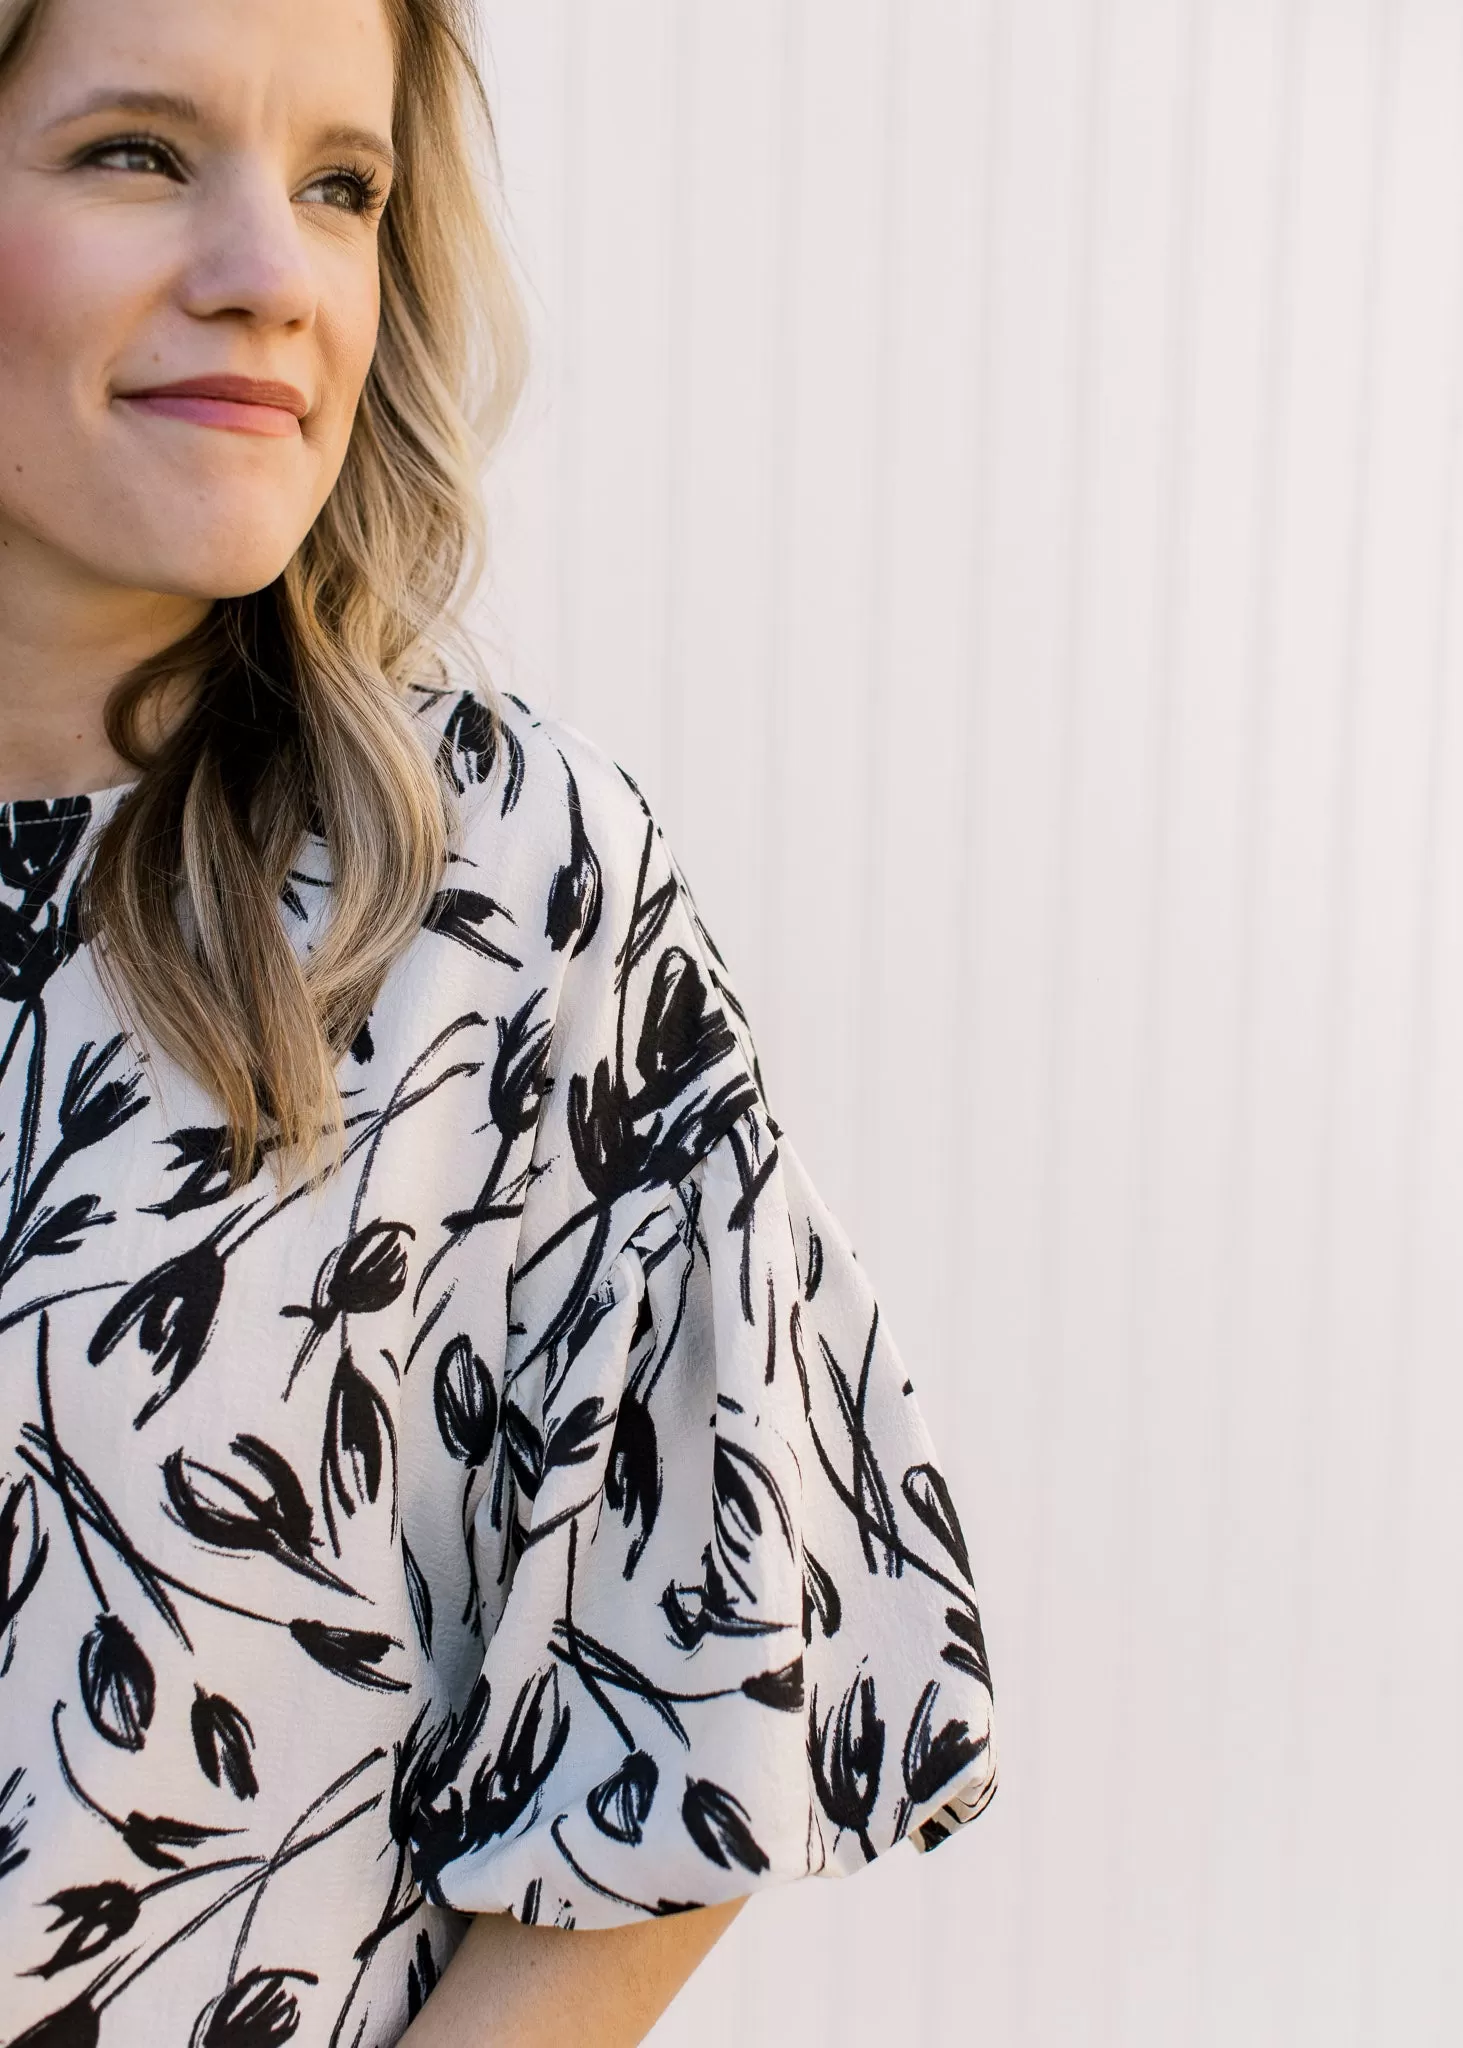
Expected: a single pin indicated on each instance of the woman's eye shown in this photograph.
(135, 153)
(347, 191)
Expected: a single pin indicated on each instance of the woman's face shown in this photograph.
(189, 195)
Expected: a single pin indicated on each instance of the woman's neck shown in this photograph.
(65, 643)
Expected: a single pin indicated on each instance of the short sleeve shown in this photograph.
(741, 1642)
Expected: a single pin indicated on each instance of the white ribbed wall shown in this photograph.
(995, 479)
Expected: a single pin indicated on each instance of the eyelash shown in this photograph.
(365, 183)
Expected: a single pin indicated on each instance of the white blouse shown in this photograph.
(533, 1516)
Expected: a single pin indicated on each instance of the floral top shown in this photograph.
(532, 1516)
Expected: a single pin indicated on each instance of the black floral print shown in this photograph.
(533, 1515)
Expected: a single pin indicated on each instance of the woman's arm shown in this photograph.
(511, 1986)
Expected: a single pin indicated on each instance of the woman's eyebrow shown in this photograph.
(179, 107)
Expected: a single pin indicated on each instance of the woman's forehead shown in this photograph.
(215, 62)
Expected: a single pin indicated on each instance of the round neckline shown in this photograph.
(9, 805)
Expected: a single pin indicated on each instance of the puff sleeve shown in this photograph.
(739, 1642)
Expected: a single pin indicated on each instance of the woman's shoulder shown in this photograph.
(523, 774)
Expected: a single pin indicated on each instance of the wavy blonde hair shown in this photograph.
(298, 715)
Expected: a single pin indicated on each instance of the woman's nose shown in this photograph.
(250, 258)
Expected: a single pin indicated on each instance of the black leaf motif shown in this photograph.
(227, 1514)
(782, 1688)
(525, 1449)
(847, 1761)
(223, 1740)
(419, 1594)
(173, 1308)
(349, 1653)
(258, 2010)
(466, 1402)
(929, 1496)
(460, 914)
(360, 1447)
(719, 1826)
(94, 1916)
(621, 1805)
(575, 894)
(633, 1473)
(117, 1683)
(932, 1760)
(23, 1547)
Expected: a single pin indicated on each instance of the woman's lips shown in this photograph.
(238, 405)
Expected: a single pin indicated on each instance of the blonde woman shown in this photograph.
(463, 1524)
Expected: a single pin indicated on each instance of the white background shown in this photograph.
(994, 478)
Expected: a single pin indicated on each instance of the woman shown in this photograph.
(455, 1487)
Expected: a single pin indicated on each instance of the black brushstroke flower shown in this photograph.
(92, 1108)
(223, 1740)
(847, 1760)
(31, 954)
(633, 1473)
(360, 1277)
(173, 1309)
(620, 1806)
(925, 1490)
(460, 914)
(934, 1759)
(466, 1403)
(968, 1652)
(709, 1609)
(228, 1514)
(782, 1688)
(504, 1787)
(520, 1078)
(94, 1916)
(360, 1447)
(259, 2010)
(53, 1232)
(349, 1653)
(679, 1036)
(203, 1149)
(720, 1827)
(118, 1688)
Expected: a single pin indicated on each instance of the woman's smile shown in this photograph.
(238, 405)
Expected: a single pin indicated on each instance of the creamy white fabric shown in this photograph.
(534, 1516)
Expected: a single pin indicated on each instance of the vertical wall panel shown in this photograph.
(994, 473)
